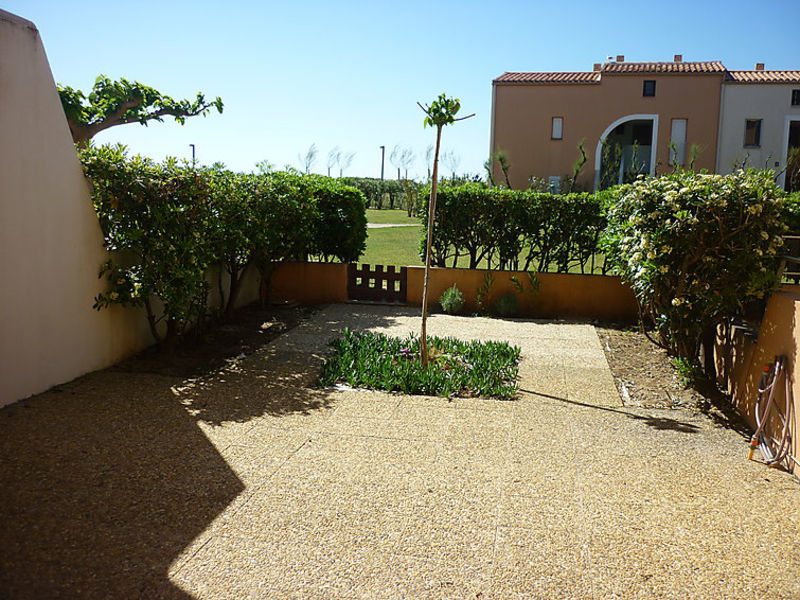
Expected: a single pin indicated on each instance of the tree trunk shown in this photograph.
(423, 340)
(709, 339)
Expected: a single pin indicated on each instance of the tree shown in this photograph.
(334, 156)
(344, 160)
(441, 112)
(428, 157)
(112, 103)
(309, 158)
(451, 161)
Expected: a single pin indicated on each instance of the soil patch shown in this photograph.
(250, 328)
(644, 373)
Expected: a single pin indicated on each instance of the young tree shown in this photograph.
(344, 160)
(394, 158)
(406, 160)
(309, 158)
(112, 103)
(334, 156)
(451, 161)
(441, 112)
(428, 157)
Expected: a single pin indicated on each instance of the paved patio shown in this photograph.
(246, 484)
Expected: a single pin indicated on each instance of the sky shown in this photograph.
(349, 74)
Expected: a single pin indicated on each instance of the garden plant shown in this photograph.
(439, 113)
(455, 368)
(167, 224)
(696, 249)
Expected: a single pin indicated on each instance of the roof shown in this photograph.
(714, 66)
(554, 77)
(644, 68)
(763, 77)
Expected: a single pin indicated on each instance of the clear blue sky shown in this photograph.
(348, 74)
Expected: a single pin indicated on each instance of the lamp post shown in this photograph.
(383, 154)
(193, 158)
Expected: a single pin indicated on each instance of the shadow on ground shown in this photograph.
(658, 423)
(104, 481)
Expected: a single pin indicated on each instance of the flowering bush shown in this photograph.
(696, 248)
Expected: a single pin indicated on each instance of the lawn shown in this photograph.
(392, 245)
(400, 245)
(377, 216)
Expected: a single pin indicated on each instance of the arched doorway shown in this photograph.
(626, 149)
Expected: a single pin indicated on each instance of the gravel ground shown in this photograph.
(245, 483)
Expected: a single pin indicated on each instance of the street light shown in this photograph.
(193, 159)
(383, 154)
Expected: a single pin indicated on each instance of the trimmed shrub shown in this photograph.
(167, 223)
(452, 301)
(696, 249)
(156, 219)
(340, 227)
(515, 230)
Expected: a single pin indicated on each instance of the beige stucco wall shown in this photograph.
(50, 241)
(523, 112)
(769, 102)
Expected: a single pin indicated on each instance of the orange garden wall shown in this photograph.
(560, 295)
(740, 361)
(565, 296)
(310, 283)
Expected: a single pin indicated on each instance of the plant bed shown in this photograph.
(456, 368)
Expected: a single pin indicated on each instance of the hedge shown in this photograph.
(166, 224)
(515, 230)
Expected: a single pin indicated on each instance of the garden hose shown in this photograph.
(774, 450)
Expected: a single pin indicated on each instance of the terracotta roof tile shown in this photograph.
(664, 67)
(554, 77)
(763, 76)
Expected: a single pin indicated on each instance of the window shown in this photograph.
(752, 133)
(677, 139)
(649, 88)
(795, 97)
(557, 129)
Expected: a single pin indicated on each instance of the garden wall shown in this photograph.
(740, 361)
(50, 239)
(562, 296)
(310, 283)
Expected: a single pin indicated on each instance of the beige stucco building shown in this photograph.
(760, 123)
(631, 117)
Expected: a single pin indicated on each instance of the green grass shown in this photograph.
(389, 216)
(465, 369)
(392, 246)
(399, 246)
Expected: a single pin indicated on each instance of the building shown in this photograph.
(760, 123)
(643, 117)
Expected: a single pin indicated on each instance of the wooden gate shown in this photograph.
(376, 285)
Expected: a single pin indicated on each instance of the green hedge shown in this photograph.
(167, 224)
(515, 230)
